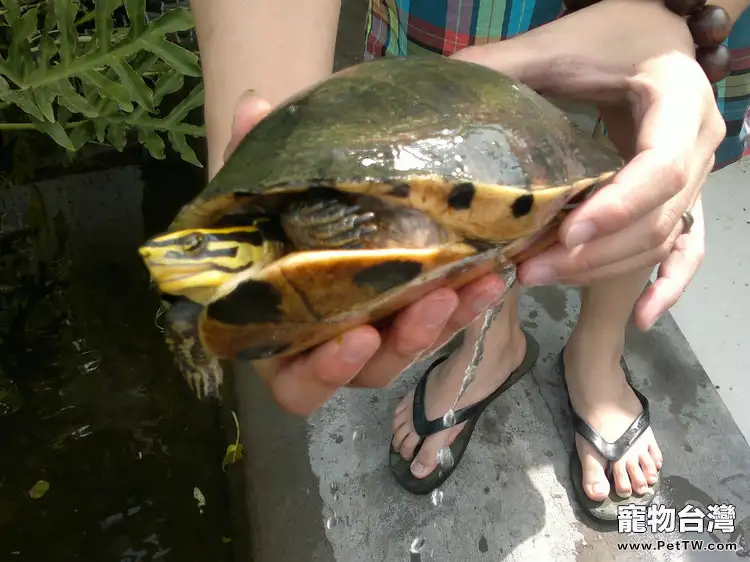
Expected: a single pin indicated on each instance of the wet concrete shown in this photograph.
(104, 417)
(322, 490)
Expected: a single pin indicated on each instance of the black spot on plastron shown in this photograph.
(261, 352)
(461, 196)
(388, 274)
(522, 205)
(400, 190)
(251, 302)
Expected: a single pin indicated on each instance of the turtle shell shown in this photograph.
(485, 157)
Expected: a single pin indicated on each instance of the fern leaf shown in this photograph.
(65, 12)
(100, 129)
(117, 135)
(179, 143)
(47, 45)
(109, 89)
(134, 84)
(192, 100)
(71, 99)
(104, 23)
(44, 97)
(168, 83)
(153, 143)
(81, 135)
(58, 134)
(25, 100)
(136, 10)
(12, 11)
(173, 21)
(175, 56)
(20, 59)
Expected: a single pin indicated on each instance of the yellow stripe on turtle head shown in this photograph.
(203, 264)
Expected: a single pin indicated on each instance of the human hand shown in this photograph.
(364, 356)
(661, 114)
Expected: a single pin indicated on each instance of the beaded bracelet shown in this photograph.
(708, 24)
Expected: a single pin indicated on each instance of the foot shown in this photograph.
(608, 404)
(504, 350)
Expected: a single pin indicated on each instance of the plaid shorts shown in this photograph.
(417, 27)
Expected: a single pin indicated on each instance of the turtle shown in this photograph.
(354, 198)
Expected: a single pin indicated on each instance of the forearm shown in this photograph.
(273, 47)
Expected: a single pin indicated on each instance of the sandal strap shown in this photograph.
(612, 451)
(425, 427)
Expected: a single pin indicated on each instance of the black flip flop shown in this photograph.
(401, 467)
(606, 510)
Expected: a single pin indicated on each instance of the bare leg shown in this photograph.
(504, 349)
(599, 392)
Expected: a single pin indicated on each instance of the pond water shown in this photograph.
(91, 404)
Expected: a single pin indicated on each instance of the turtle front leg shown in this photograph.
(327, 224)
(202, 370)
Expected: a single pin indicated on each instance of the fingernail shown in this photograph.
(487, 298)
(540, 275)
(436, 312)
(355, 349)
(580, 234)
(600, 487)
(417, 468)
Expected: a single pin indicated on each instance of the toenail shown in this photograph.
(600, 487)
(417, 468)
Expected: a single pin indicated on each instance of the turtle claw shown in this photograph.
(328, 224)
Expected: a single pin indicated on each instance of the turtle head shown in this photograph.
(204, 264)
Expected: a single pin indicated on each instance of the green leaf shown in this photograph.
(19, 54)
(109, 89)
(100, 129)
(58, 134)
(175, 56)
(81, 135)
(47, 45)
(136, 10)
(117, 135)
(176, 19)
(104, 23)
(44, 97)
(194, 99)
(232, 455)
(65, 12)
(179, 143)
(12, 11)
(153, 143)
(39, 489)
(73, 100)
(168, 83)
(25, 100)
(134, 84)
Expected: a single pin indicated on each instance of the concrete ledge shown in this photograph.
(318, 493)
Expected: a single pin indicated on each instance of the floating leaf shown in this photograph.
(226, 540)
(39, 489)
(232, 455)
(200, 498)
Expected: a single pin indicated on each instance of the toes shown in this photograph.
(623, 488)
(656, 455)
(408, 446)
(649, 468)
(426, 461)
(637, 478)
(400, 435)
(595, 483)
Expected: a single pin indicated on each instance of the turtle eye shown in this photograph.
(194, 243)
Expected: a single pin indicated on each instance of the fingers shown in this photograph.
(412, 332)
(669, 124)
(425, 326)
(305, 383)
(674, 275)
(249, 111)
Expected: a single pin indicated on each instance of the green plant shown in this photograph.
(80, 78)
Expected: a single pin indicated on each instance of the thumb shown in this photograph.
(249, 111)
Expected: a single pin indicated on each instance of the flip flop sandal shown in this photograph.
(606, 510)
(401, 467)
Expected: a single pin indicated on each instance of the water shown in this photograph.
(417, 545)
(436, 497)
(96, 407)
